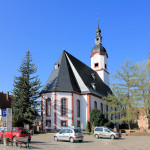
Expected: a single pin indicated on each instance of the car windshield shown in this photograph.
(77, 131)
(111, 129)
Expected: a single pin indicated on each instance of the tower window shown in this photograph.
(97, 39)
(96, 65)
(105, 66)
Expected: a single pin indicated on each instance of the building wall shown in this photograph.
(83, 109)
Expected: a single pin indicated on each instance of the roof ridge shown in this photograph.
(79, 79)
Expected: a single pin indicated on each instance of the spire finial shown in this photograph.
(98, 21)
(98, 31)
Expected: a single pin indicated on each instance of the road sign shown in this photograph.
(9, 119)
(3, 113)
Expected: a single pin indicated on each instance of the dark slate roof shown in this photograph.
(98, 48)
(74, 76)
(5, 102)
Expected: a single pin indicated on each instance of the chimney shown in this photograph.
(7, 96)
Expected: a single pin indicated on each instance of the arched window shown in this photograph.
(78, 108)
(95, 104)
(101, 107)
(64, 107)
(48, 107)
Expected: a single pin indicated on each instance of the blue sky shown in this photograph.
(47, 27)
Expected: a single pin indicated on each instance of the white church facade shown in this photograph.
(74, 89)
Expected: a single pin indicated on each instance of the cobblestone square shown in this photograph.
(46, 142)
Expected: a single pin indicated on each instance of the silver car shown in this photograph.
(106, 132)
(69, 134)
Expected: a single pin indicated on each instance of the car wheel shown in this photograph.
(71, 140)
(55, 138)
(80, 141)
(112, 137)
(96, 136)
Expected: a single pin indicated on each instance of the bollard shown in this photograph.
(6, 141)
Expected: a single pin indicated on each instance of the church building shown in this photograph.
(74, 89)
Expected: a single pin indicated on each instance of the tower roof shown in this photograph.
(71, 75)
(99, 48)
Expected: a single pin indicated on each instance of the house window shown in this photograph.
(95, 104)
(48, 123)
(96, 65)
(106, 111)
(115, 113)
(78, 123)
(48, 107)
(101, 107)
(78, 108)
(111, 114)
(64, 107)
(64, 123)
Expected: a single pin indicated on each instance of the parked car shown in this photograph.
(69, 134)
(1, 128)
(100, 132)
(16, 132)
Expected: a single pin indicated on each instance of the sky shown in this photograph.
(47, 27)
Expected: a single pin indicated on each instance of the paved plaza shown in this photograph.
(46, 142)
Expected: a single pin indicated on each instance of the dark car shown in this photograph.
(16, 132)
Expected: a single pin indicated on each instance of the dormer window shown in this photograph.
(93, 75)
(93, 85)
(57, 66)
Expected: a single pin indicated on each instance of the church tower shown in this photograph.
(99, 58)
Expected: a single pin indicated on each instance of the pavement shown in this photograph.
(46, 142)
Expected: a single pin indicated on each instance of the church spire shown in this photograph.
(98, 37)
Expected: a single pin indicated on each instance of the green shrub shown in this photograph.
(98, 119)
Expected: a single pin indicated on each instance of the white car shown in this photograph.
(106, 132)
(69, 134)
